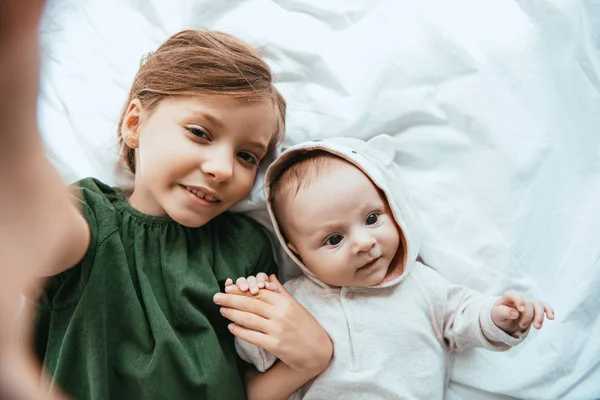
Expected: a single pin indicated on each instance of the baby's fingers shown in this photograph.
(502, 313)
(252, 284)
(273, 287)
(233, 289)
(262, 279)
(549, 311)
(242, 283)
(538, 314)
(527, 315)
(514, 297)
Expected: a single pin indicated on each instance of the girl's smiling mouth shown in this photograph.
(201, 196)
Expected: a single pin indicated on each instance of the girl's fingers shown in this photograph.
(273, 296)
(276, 293)
(21, 18)
(257, 304)
(228, 282)
(234, 289)
(276, 286)
(246, 319)
(256, 338)
(253, 305)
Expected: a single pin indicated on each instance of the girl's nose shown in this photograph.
(218, 163)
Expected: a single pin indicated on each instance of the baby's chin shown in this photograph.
(393, 271)
(379, 279)
(376, 278)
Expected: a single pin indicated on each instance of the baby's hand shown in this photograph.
(252, 283)
(513, 313)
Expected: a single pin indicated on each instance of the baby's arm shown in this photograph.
(278, 383)
(512, 313)
(466, 318)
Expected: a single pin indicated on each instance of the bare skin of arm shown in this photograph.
(278, 383)
(42, 227)
(42, 231)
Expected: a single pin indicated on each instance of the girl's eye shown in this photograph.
(248, 158)
(334, 240)
(199, 133)
(372, 218)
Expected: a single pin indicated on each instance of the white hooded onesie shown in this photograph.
(394, 340)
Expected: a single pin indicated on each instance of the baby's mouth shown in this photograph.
(370, 263)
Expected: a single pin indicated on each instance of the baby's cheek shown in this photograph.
(315, 265)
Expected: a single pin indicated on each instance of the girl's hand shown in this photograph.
(512, 313)
(252, 283)
(276, 322)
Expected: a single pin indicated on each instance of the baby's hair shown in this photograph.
(195, 62)
(295, 174)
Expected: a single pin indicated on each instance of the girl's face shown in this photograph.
(196, 156)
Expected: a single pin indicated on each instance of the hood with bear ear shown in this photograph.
(375, 158)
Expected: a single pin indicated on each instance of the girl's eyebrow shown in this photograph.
(260, 147)
(211, 118)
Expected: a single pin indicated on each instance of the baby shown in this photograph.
(342, 212)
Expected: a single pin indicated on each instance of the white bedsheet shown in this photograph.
(495, 106)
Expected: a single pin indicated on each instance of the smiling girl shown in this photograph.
(129, 312)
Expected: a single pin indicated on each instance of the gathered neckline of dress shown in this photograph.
(121, 202)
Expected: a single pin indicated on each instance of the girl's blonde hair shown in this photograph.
(195, 62)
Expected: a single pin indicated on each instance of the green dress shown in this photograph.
(135, 318)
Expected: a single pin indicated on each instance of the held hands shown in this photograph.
(273, 320)
(513, 313)
(250, 285)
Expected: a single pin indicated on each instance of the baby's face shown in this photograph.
(343, 229)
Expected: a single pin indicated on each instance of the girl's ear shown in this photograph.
(131, 124)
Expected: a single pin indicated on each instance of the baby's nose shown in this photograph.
(365, 243)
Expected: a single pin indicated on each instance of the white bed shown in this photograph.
(495, 107)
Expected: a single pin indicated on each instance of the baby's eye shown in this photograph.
(248, 158)
(334, 240)
(199, 133)
(372, 218)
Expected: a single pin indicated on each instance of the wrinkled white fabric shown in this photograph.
(493, 106)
